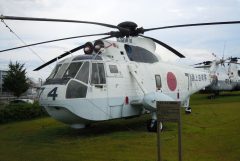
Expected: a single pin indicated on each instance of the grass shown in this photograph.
(210, 133)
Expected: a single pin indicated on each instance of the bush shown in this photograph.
(21, 111)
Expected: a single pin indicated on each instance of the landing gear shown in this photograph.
(214, 95)
(88, 125)
(186, 104)
(211, 97)
(152, 125)
(188, 110)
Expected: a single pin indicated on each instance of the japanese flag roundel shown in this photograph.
(171, 81)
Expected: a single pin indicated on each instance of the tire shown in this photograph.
(188, 110)
(152, 125)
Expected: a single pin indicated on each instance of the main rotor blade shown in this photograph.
(64, 54)
(44, 42)
(56, 20)
(204, 66)
(166, 46)
(198, 63)
(59, 57)
(193, 24)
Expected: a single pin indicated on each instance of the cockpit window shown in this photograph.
(83, 73)
(61, 71)
(98, 74)
(75, 88)
(72, 70)
(54, 72)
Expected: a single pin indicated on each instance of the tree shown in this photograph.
(16, 80)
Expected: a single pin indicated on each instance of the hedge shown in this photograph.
(20, 111)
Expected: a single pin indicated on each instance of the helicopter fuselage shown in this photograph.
(114, 84)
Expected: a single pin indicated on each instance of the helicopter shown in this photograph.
(225, 79)
(234, 71)
(116, 79)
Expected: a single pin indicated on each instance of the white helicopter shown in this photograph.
(226, 78)
(116, 79)
(234, 71)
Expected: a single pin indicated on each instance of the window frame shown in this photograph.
(91, 72)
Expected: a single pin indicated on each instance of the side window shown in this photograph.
(98, 74)
(113, 68)
(76, 90)
(139, 54)
(226, 81)
(158, 82)
(102, 77)
(95, 75)
(83, 74)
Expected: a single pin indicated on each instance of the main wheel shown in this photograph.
(152, 125)
(188, 110)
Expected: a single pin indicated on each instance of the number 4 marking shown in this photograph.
(53, 93)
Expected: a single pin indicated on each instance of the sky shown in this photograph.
(196, 43)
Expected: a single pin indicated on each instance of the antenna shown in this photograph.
(224, 46)
(224, 49)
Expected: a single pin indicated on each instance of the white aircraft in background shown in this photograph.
(226, 78)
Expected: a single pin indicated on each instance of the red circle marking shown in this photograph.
(171, 81)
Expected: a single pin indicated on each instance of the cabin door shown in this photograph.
(98, 90)
(115, 90)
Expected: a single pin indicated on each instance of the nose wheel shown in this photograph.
(152, 125)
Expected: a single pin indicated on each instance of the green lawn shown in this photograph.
(210, 133)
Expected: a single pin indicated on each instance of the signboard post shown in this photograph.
(169, 111)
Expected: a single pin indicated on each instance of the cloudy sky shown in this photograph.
(196, 43)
